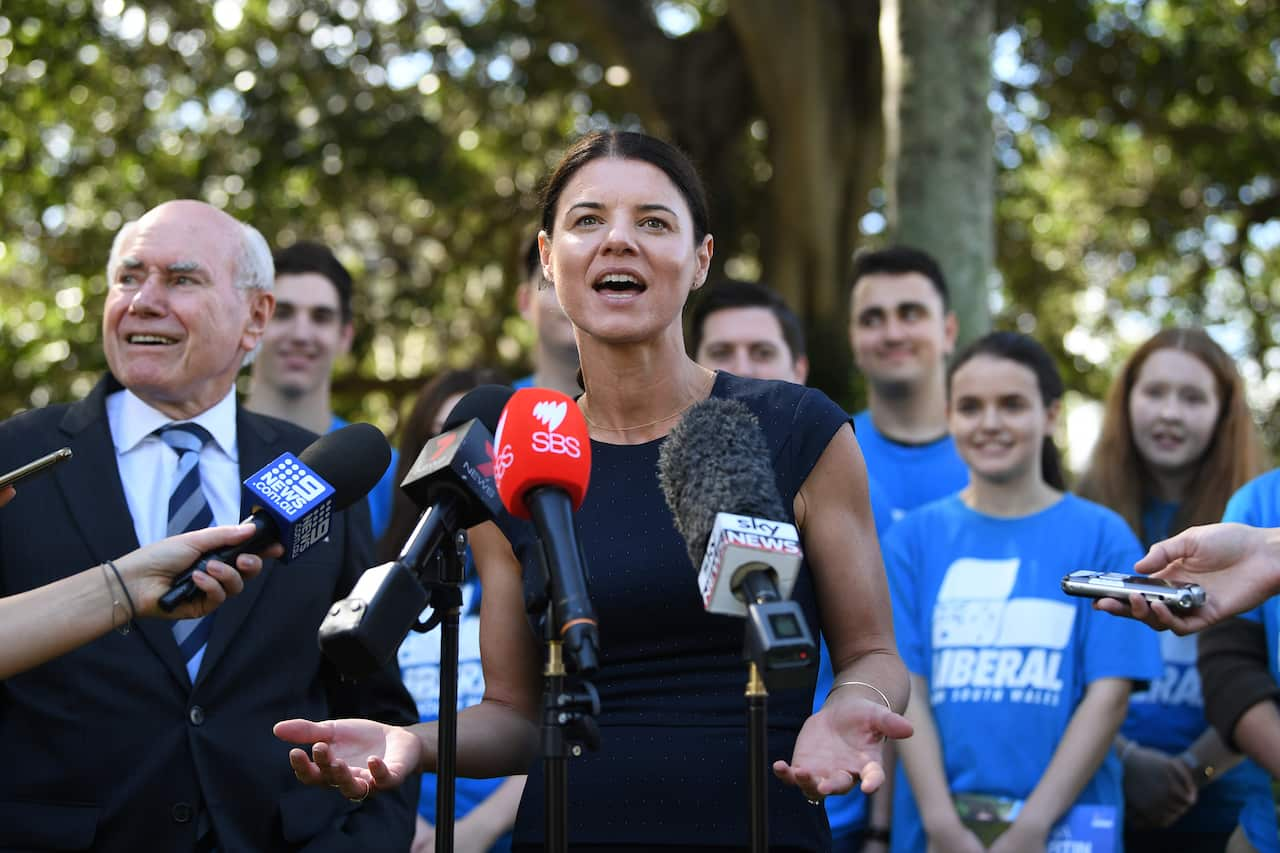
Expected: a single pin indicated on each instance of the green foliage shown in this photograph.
(1139, 186)
(1135, 140)
(411, 137)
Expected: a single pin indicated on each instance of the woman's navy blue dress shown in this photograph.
(671, 769)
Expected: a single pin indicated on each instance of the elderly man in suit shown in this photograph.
(160, 738)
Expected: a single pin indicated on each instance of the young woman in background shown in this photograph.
(1177, 440)
(1017, 689)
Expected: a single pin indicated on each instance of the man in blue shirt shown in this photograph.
(311, 328)
(902, 330)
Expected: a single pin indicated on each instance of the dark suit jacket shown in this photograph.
(111, 748)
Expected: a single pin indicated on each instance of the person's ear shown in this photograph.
(544, 254)
(950, 331)
(262, 304)
(801, 369)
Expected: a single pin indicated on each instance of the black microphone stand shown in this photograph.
(778, 649)
(568, 725)
(758, 758)
(446, 602)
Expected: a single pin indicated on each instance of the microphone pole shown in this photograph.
(446, 598)
(543, 451)
(758, 758)
(716, 476)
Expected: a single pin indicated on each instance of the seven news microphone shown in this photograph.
(538, 466)
(295, 498)
(452, 482)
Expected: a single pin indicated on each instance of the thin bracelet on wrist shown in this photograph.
(1201, 774)
(877, 690)
(125, 628)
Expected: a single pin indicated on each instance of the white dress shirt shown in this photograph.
(148, 466)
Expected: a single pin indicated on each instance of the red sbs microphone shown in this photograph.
(543, 464)
(542, 440)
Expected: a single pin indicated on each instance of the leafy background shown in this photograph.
(1133, 146)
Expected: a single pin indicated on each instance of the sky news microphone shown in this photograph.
(294, 498)
(715, 472)
(543, 466)
(452, 481)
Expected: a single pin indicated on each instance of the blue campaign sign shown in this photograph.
(297, 498)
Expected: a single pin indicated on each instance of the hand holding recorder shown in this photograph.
(1237, 566)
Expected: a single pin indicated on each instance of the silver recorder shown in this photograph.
(1182, 597)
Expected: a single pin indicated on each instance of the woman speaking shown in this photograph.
(624, 240)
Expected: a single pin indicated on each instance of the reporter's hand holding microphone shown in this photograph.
(190, 574)
(41, 624)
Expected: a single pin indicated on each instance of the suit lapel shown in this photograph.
(95, 497)
(257, 443)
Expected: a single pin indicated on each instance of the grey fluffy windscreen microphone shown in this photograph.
(716, 460)
(715, 472)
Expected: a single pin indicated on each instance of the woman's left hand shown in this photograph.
(840, 745)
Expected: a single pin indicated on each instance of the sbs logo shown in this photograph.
(552, 414)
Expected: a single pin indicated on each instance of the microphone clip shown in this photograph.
(569, 721)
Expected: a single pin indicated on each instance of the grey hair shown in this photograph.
(253, 268)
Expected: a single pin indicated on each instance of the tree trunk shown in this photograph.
(815, 65)
(939, 163)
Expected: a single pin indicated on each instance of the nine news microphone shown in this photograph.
(452, 481)
(543, 465)
(715, 473)
(294, 498)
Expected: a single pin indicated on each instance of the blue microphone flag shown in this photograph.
(297, 499)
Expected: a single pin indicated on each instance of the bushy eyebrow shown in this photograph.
(133, 263)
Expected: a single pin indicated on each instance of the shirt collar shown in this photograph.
(138, 420)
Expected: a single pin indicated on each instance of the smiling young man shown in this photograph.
(902, 331)
(312, 327)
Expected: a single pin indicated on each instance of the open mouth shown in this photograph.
(150, 340)
(620, 284)
(1163, 438)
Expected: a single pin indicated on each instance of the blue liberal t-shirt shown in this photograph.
(1257, 504)
(980, 614)
(383, 492)
(419, 659)
(908, 475)
(1169, 716)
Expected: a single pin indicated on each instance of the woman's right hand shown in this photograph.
(357, 757)
(1158, 788)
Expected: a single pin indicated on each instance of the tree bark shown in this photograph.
(939, 166)
(815, 65)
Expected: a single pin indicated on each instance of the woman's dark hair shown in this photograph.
(417, 430)
(628, 145)
(1022, 350)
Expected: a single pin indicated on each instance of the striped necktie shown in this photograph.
(188, 510)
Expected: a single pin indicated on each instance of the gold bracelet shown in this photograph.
(878, 691)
